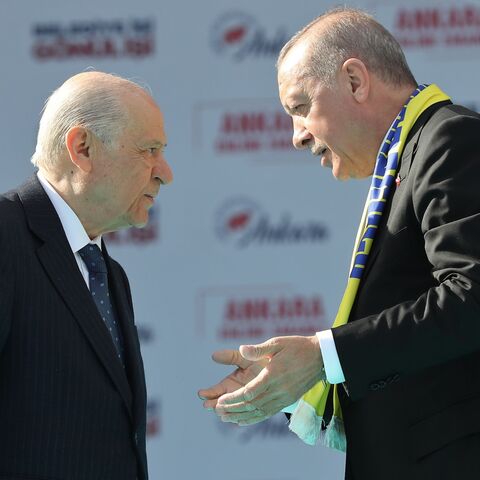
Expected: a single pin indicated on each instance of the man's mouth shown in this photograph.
(319, 151)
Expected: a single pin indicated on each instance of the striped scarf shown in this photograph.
(307, 418)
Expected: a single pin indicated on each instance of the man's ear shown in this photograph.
(79, 143)
(357, 79)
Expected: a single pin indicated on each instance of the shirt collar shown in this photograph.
(74, 230)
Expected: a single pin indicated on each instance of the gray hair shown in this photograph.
(92, 100)
(350, 33)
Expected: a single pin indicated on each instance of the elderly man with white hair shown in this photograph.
(72, 385)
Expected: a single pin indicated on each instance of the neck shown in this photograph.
(385, 104)
(72, 191)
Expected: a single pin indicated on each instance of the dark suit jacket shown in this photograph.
(68, 409)
(411, 352)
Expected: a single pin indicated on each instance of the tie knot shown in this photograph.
(93, 258)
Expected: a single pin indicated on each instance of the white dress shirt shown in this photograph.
(75, 232)
(331, 362)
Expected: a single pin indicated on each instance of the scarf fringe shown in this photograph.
(307, 425)
(334, 436)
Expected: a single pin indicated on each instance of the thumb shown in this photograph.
(262, 350)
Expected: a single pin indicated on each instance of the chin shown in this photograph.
(342, 177)
(140, 224)
(139, 221)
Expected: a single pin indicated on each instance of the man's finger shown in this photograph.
(271, 402)
(230, 357)
(245, 417)
(261, 350)
(212, 392)
(210, 404)
(234, 408)
(249, 392)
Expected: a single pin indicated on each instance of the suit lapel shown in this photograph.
(402, 173)
(404, 168)
(60, 265)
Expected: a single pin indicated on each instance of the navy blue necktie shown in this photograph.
(98, 281)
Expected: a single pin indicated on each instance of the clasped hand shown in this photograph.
(269, 376)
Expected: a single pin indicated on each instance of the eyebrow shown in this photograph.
(154, 143)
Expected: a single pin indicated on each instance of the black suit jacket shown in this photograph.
(68, 409)
(411, 352)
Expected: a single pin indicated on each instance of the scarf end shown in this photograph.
(334, 436)
(307, 425)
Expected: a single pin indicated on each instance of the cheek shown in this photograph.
(319, 127)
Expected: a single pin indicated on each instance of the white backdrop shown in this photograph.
(252, 239)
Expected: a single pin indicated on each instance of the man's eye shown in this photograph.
(153, 150)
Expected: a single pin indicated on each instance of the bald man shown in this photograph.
(396, 381)
(72, 386)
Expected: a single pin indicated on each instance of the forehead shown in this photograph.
(295, 58)
(146, 119)
(291, 68)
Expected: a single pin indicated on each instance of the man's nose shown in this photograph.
(162, 171)
(302, 138)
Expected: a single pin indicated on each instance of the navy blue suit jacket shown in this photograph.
(68, 409)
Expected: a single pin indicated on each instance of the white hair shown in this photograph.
(92, 100)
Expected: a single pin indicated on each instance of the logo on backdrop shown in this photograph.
(242, 222)
(257, 129)
(257, 312)
(438, 26)
(153, 417)
(239, 36)
(133, 38)
(248, 131)
(137, 236)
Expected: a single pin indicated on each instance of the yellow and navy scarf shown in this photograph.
(307, 418)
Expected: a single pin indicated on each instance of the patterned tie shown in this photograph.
(98, 280)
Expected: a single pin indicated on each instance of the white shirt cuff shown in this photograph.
(331, 362)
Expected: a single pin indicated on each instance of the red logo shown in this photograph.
(235, 34)
(255, 129)
(238, 221)
(94, 39)
(242, 222)
(240, 36)
(258, 312)
(438, 26)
